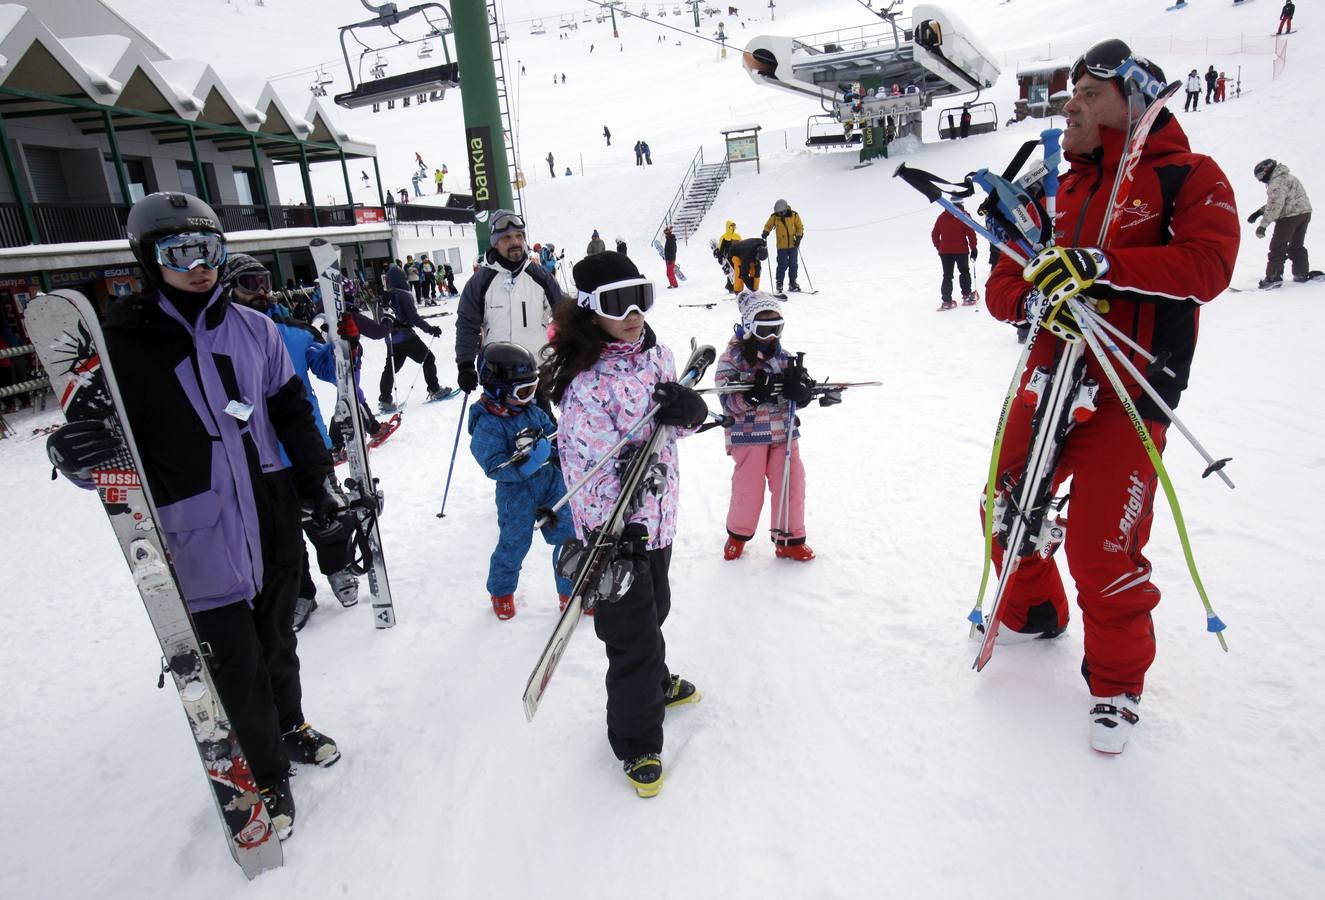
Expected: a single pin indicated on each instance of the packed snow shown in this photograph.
(844, 747)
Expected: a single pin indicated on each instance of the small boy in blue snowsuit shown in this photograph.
(509, 438)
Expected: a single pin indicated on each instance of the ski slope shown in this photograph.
(843, 748)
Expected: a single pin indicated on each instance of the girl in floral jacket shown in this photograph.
(757, 442)
(605, 368)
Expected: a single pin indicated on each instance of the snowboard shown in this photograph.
(1315, 276)
(657, 245)
(64, 327)
(361, 486)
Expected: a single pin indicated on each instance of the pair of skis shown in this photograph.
(361, 487)
(595, 576)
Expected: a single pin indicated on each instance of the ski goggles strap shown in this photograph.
(620, 298)
(185, 252)
(1114, 59)
(506, 221)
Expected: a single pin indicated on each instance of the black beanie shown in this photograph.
(607, 267)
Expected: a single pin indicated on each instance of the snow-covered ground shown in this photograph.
(844, 748)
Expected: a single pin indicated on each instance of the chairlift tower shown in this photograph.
(470, 27)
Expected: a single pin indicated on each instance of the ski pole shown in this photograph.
(1212, 464)
(454, 447)
(427, 350)
(800, 259)
(785, 511)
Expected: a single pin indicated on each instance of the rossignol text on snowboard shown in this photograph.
(68, 339)
(591, 561)
(360, 486)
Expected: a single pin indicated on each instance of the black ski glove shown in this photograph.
(633, 545)
(328, 502)
(679, 405)
(466, 377)
(1251, 219)
(74, 448)
(433, 331)
(762, 390)
(975, 254)
(797, 384)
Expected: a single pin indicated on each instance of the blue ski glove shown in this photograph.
(538, 454)
(1060, 273)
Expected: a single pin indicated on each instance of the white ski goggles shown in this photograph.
(524, 392)
(766, 329)
(620, 298)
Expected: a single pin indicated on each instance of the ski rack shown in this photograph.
(432, 81)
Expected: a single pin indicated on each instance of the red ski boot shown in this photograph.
(504, 606)
(733, 548)
(798, 552)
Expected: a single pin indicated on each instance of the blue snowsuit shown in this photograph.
(518, 496)
(308, 352)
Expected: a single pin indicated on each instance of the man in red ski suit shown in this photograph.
(1173, 251)
(954, 239)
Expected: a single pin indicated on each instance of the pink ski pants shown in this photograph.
(757, 464)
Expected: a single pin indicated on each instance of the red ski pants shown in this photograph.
(671, 273)
(1109, 519)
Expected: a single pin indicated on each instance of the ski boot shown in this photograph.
(387, 406)
(733, 548)
(778, 285)
(1313, 275)
(303, 608)
(280, 807)
(799, 552)
(345, 585)
(309, 746)
(794, 288)
(1111, 722)
(645, 774)
(971, 298)
(947, 304)
(1270, 283)
(504, 606)
(442, 393)
(680, 692)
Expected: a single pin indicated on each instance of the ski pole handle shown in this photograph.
(1052, 140)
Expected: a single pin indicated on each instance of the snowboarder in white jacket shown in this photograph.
(1288, 209)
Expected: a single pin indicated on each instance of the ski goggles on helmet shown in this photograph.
(253, 282)
(185, 252)
(766, 329)
(503, 222)
(1114, 59)
(620, 298)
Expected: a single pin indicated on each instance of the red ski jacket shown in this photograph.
(1173, 252)
(952, 235)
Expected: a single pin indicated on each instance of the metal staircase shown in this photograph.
(696, 195)
(496, 34)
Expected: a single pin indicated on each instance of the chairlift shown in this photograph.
(662, 11)
(419, 83)
(587, 17)
(984, 120)
(537, 27)
(644, 11)
(676, 9)
(824, 131)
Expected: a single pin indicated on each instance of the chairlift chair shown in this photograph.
(662, 11)
(537, 27)
(676, 9)
(414, 83)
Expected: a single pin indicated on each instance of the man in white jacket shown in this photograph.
(1193, 91)
(1289, 211)
(508, 299)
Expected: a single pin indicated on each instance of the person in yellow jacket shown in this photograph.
(722, 249)
(786, 224)
(439, 175)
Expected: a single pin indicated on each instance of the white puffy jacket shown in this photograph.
(1284, 196)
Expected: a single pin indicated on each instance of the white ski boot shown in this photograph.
(1111, 722)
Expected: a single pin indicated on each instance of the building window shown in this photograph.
(135, 171)
(246, 186)
(187, 182)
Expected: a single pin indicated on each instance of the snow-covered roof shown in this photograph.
(1043, 66)
(113, 70)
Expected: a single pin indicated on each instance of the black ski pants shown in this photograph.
(1193, 98)
(637, 673)
(1287, 243)
(396, 354)
(961, 261)
(255, 665)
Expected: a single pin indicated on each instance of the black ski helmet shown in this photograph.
(503, 367)
(1264, 169)
(161, 214)
(1109, 61)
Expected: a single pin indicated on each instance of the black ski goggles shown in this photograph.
(185, 252)
(253, 282)
(766, 329)
(1114, 59)
(620, 298)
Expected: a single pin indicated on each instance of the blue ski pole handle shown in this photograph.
(1013, 204)
(1052, 139)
